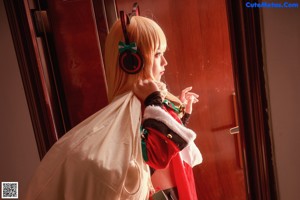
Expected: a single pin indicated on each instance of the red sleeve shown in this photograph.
(163, 136)
(160, 142)
(160, 149)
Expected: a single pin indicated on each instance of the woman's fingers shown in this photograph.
(186, 90)
(192, 93)
(183, 94)
(192, 99)
(186, 95)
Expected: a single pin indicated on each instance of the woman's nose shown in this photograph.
(164, 62)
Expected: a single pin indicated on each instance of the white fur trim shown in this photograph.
(191, 155)
(157, 113)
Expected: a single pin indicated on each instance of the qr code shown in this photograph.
(9, 190)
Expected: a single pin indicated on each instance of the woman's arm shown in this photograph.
(162, 135)
(159, 141)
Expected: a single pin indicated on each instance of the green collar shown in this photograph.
(172, 105)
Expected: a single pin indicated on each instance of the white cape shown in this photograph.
(101, 158)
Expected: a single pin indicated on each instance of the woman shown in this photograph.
(106, 156)
(158, 125)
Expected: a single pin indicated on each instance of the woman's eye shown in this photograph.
(158, 54)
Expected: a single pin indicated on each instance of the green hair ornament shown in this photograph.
(127, 47)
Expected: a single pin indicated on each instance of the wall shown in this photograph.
(18, 151)
(282, 47)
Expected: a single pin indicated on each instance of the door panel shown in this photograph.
(79, 57)
(198, 55)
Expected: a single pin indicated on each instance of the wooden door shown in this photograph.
(61, 64)
(198, 55)
(79, 57)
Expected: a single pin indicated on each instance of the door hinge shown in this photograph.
(41, 22)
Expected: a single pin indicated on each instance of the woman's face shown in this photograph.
(159, 63)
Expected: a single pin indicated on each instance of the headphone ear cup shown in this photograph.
(131, 63)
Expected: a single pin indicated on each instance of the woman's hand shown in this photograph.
(188, 98)
(143, 88)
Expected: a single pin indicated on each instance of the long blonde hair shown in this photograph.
(148, 37)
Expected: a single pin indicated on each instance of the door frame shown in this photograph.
(248, 72)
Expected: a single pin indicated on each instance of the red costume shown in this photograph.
(169, 150)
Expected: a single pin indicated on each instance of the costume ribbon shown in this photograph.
(144, 134)
(124, 47)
